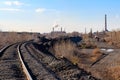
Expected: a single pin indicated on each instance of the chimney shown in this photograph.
(106, 22)
(85, 31)
(53, 29)
(61, 29)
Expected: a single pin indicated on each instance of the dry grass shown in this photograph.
(88, 45)
(74, 59)
(112, 73)
(13, 37)
(115, 72)
(66, 49)
(96, 53)
(113, 38)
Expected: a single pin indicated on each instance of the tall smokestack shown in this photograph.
(61, 29)
(53, 29)
(106, 22)
(85, 30)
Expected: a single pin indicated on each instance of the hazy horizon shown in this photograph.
(72, 15)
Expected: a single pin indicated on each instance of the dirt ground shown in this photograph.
(106, 66)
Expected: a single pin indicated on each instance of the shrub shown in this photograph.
(96, 53)
(63, 48)
(74, 59)
(66, 49)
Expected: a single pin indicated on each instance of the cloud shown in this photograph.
(17, 3)
(40, 10)
(10, 3)
(9, 9)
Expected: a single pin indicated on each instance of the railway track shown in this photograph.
(62, 69)
(37, 69)
(10, 65)
(26, 62)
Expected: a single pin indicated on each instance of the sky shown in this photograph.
(72, 15)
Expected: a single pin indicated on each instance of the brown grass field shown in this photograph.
(13, 37)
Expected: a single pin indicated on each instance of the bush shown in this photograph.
(96, 53)
(74, 59)
(64, 48)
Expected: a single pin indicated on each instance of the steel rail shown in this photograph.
(25, 70)
(4, 48)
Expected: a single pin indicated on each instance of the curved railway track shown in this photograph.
(10, 65)
(36, 69)
(62, 69)
(23, 61)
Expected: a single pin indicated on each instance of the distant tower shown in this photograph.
(85, 30)
(53, 29)
(106, 23)
(61, 29)
(90, 34)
